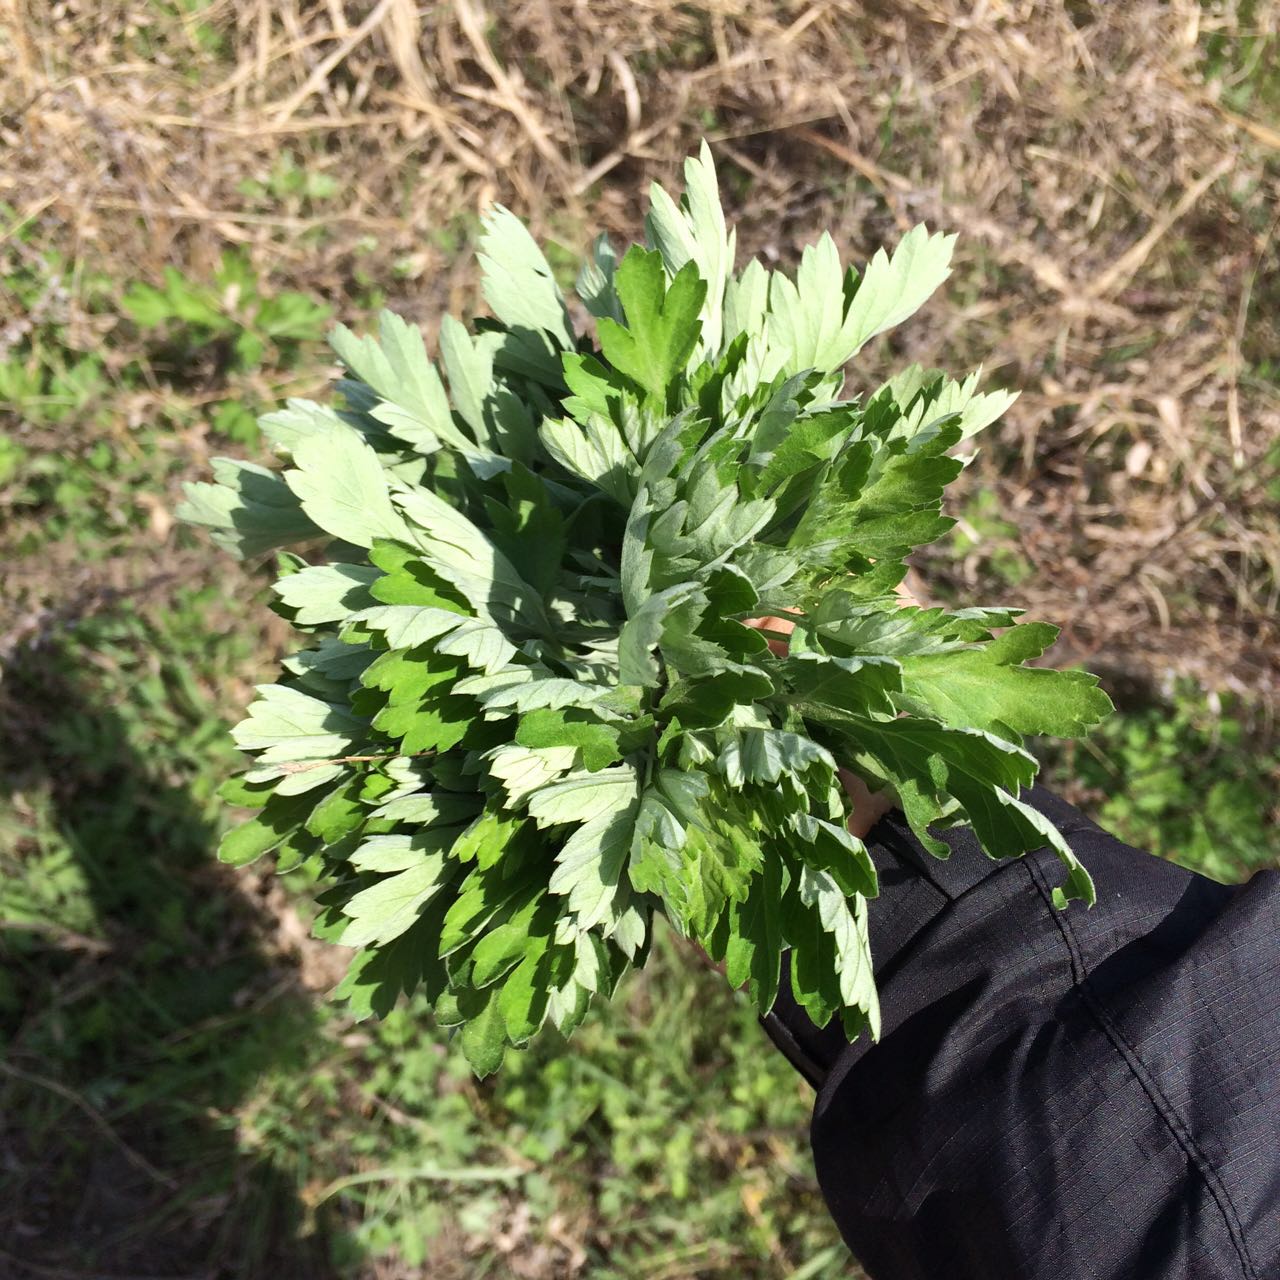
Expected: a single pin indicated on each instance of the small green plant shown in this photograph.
(983, 532)
(229, 319)
(289, 180)
(1188, 781)
(534, 714)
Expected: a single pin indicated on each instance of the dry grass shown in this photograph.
(1118, 255)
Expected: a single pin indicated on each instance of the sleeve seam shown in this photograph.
(1163, 1107)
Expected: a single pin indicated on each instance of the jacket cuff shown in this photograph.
(915, 889)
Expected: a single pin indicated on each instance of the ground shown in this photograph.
(190, 193)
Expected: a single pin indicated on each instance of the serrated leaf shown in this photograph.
(343, 488)
(694, 231)
(415, 408)
(339, 813)
(590, 869)
(582, 797)
(288, 725)
(248, 511)
(985, 687)
(280, 817)
(551, 692)
(485, 840)
(598, 742)
(469, 363)
(523, 997)
(643, 630)
(525, 933)
(835, 850)
(461, 554)
(408, 579)
(523, 770)
(764, 755)
(517, 282)
(719, 862)
(422, 710)
(481, 645)
(326, 593)
(407, 626)
(754, 951)
(483, 1036)
(387, 908)
(594, 452)
(845, 920)
(662, 326)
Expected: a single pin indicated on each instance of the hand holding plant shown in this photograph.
(533, 712)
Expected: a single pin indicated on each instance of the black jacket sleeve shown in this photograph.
(1058, 1095)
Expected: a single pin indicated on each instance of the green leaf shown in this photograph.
(343, 488)
(594, 285)
(719, 862)
(985, 687)
(835, 850)
(408, 579)
(503, 947)
(249, 511)
(464, 557)
(339, 813)
(866, 684)
(493, 893)
(469, 364)
(281, 816)
(754, 952)
(528, 529)
(422, 710)
(288, 725)
(590, 869)
(705, 704)
(524, 996)
(484, 1037)
(388, 907)
(642, 632)
(764, 755)
(893, 288)
(662, 322)
(846, 921)
(694, 231)
(415, 408)
(326, 593)
(405, 626)
(582, 797)
(486, 839)
(594, 452)
(517, 282)
(597, 742)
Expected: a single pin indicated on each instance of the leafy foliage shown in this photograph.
(533, 715)
(1192, 779)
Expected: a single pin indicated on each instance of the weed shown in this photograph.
(1192, 780)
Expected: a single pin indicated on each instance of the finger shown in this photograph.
(866, 807)
(775, 629)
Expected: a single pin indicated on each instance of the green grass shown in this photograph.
(1189, 777)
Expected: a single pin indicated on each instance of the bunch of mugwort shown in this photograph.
(529, 717)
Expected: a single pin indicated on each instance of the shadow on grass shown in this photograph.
(137, 1010)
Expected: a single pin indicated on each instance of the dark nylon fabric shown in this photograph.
(1088, 1095)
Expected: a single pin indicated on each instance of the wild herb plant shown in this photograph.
(530, 715)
